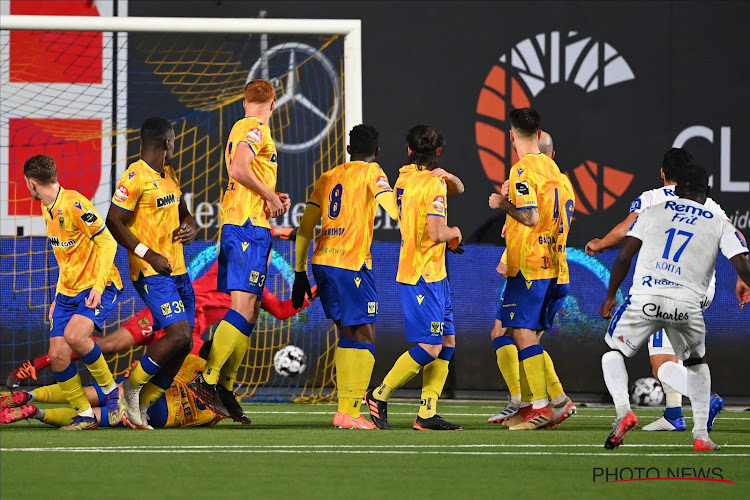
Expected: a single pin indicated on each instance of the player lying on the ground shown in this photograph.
(211, 306)
(679, 241)
(176, 408)
(505, 350)
(423, 281)
(664, 364)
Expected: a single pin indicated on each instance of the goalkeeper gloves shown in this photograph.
(458, 250)
(300, 289)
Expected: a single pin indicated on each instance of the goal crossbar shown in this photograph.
(351, 29)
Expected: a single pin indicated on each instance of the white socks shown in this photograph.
(699, 391)
(673, 398)
(674, 375)
(616, 378)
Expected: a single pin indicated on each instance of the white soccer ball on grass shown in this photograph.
(290, 361)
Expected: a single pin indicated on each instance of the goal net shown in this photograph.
(78, 88)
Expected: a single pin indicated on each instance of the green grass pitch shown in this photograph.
(293, 451)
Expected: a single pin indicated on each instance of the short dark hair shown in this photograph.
(154, 132)
(41, 168)
(526, 121)
(363, 140)
(675, 160)
(692, 178)
(424, 142)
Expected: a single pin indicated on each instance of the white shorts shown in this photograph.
(659, 343)
(640, 316)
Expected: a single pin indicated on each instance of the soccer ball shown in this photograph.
(647, 392)
(290, 360)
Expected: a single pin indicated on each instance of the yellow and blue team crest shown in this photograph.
(166, 309)
(436, 327)
(372, 308)
(254, 275)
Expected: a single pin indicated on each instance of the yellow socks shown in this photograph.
(150, 394)
(58, 416)
(507, 361)
(227, 338)
(532, 360)
(228, 372)
(70, 383)
(143, 371)
(552, 381)
(434, 376)
(99, 369)
(405, 368)
(49, 394)
(354, 363)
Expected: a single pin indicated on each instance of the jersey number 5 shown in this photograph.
(334, 207)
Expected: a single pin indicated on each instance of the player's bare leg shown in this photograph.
(354, 363)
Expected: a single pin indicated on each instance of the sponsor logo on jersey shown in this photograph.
(522, 188)
(420, 298)
(273, 158)
(647, 281)
(61, 221)
(439, 204)
(167, 200)
(512, 315)
(121, 194)
(55, 242)
(382, 182)
(688, 209)
(654, 311)
(254, 135)
(520, 171)
(88, 217)
(130, 175)
(357, 281)
(334, 231)
(78, 205)
(245, 244)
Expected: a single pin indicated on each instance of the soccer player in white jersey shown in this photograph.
(664, 364)
(679, 241)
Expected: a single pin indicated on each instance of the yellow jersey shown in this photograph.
(154, 200)
(567, 208)
(72, 223)
(241, 203)
(418, 196)
(183, 410)
(534, 183)
(346, 196)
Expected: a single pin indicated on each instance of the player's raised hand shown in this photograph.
(275, 205)
(505, 188)
(742, 292)
(300, 288)
(94, 299)
(608, 307)
(158, 262)
(51, 309)
(185, 234)
(496, 199)
(441, 172)
(592, 247)
(286, 201)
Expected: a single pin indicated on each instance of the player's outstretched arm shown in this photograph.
(453, 183)
(613, 238)
(619, 271)
(301, 287)
(241, 172)
(116, 223)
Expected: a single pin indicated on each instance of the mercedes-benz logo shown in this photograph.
(318, 72)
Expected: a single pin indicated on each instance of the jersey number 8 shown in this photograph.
(334, 207)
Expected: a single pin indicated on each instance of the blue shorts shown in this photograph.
(347, 296)
(169, 298)
(66, 307)
(158, 413)
(556, 303)
(428, 311)
(243, 258)
(524, 305)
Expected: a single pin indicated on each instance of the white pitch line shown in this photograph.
(366, 452)
(393, 446)
(585, 415)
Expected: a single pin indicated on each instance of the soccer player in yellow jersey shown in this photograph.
(505, 349)
(533, 226)
(88, 289)
(176, 408)
(346, 198)
(149, 217)
(423, 281)
(249, 203)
